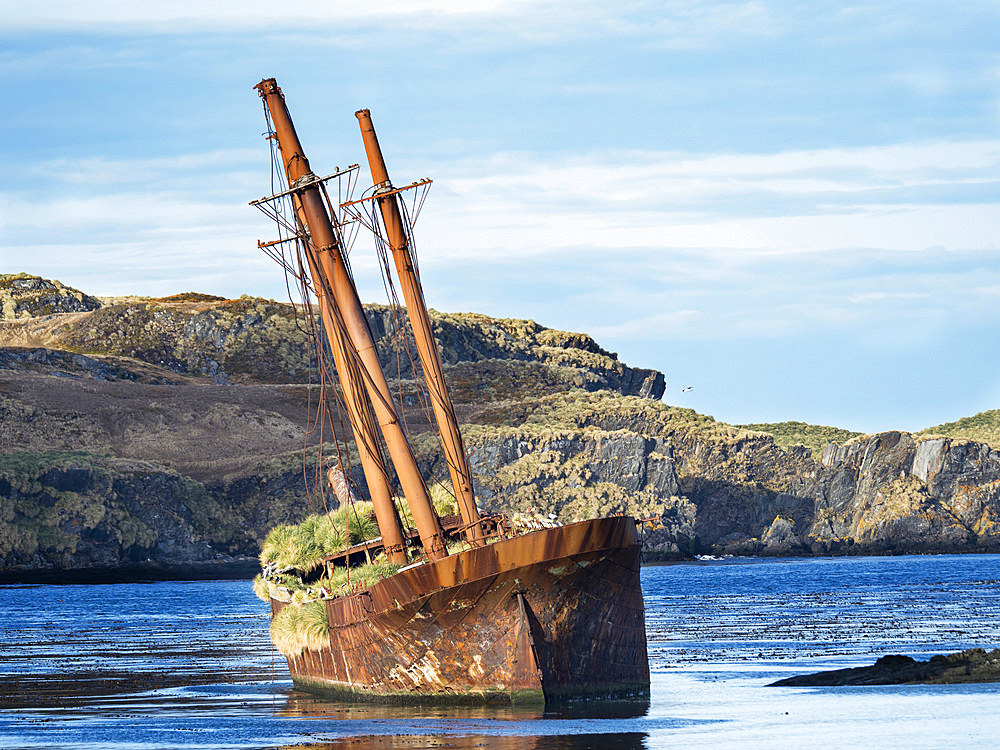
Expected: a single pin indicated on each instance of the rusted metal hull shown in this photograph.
(550, 615)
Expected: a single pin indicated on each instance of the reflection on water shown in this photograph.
(306, 705)
(575, 726)
(190, 665)
(635, 741)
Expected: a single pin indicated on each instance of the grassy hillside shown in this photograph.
(983, 427)
(811, 436)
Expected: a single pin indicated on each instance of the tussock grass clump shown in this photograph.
(329, 534)
(298, 627)
(262, 588)
(302, 547)
(442, 498)
(276, 541)
(344, 580)
(361, 523)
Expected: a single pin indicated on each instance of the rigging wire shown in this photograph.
(290, 253)
(368, 212)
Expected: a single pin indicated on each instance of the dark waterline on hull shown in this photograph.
(178, 664)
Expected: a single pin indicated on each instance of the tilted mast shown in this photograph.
(359, 415)
(348, 315)
(416, 307)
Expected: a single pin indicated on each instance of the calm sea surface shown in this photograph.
(189, 665)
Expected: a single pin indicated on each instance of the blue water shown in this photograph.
(189, 665)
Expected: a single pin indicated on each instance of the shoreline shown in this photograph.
(246, 568)
(209, 570)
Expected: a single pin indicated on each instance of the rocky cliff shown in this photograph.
(26, 296)
(176, 431)
(71, 510)
(718, 489)
(196, 402)
(253, 340)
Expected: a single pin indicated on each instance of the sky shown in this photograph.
(789, 207)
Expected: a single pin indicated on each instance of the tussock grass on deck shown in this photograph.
(291, 553)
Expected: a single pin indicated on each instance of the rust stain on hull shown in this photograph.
(486, 625)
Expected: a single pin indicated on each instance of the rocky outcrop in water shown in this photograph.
(972, 665)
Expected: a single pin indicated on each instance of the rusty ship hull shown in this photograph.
(486, 625)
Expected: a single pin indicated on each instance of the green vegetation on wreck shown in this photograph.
(292, 557)
(983, 427)
(302, 547)
(297, 627)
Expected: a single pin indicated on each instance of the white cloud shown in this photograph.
(160, 171)
(670, 324)
(172, 15)
(680, 24)
(897, 197)
(509, 206)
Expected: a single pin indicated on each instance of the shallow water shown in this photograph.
(189, 665)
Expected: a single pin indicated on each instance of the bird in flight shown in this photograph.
(685, 390)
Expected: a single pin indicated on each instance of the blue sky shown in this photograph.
(790, 207)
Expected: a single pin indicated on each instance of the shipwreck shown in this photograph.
(425, 604)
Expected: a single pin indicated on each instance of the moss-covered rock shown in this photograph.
(257, 340)
(25, 296)
(722, 489)
(77, 510)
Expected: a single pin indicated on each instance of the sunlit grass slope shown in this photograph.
(983, 427)
(812, 436)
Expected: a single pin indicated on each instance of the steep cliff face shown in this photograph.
(569, 475)
(75, 511)
(892, 491)
(72, 510)
(529, 354)
(724, 490)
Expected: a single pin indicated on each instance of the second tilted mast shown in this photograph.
(398, 240)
